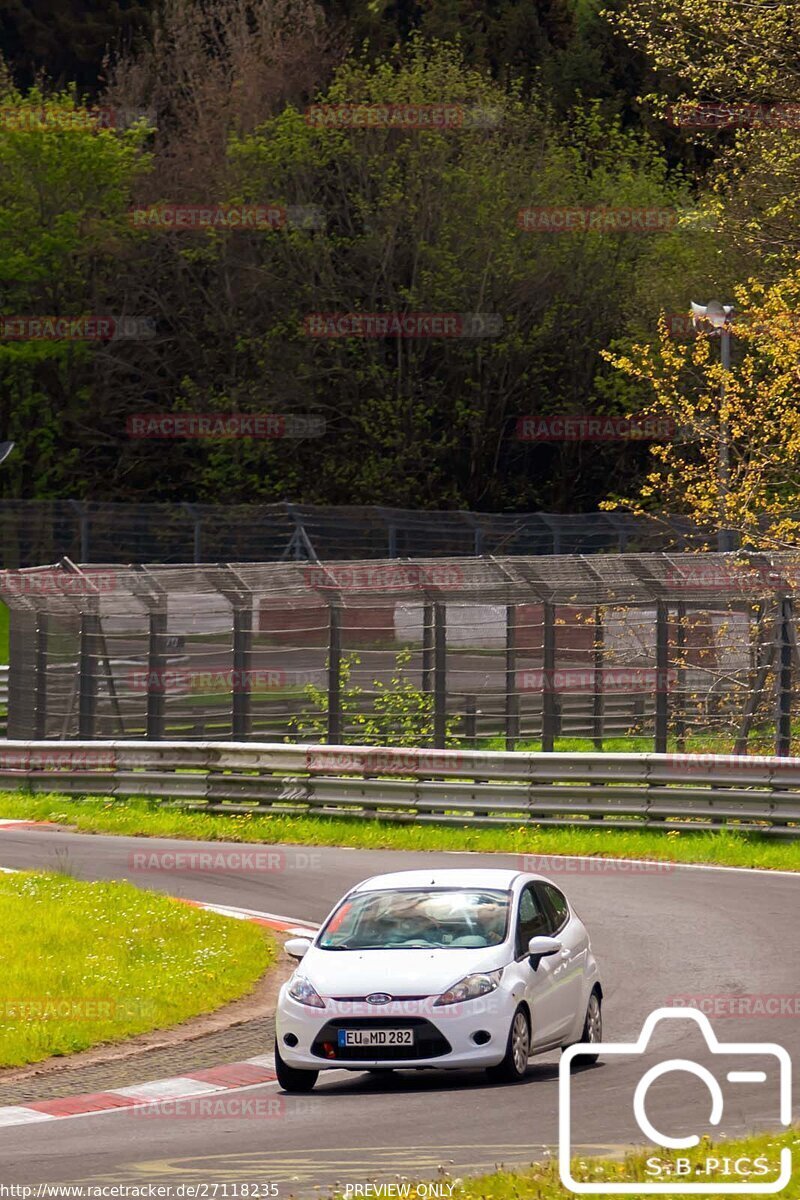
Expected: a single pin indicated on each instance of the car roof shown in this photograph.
(436, 878)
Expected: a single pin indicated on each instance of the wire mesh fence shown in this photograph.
(678, 651)
(33, 531)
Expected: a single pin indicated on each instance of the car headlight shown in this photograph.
(471, 987)
(304, 992)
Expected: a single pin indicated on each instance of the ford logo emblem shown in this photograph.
(379, 998)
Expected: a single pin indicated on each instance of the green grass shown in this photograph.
(146, 817)
(541, 1181)
(85, 963)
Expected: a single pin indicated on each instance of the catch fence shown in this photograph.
(37, 531)
(665, 650)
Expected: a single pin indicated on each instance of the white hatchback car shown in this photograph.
(439, 969)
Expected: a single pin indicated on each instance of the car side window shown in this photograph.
(557, 903)
(531, 919)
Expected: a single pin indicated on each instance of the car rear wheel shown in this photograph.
(592, 1031)
(293, 1079)
(518, 1048)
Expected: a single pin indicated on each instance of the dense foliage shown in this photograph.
(560, 106)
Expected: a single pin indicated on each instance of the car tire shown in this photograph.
(518, 1048)
(592, 1031)
(293, 1079)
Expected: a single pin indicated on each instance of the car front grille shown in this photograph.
(428, 1041)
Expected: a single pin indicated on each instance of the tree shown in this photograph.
(750, 415)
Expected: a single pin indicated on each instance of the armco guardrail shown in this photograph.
(454, 786)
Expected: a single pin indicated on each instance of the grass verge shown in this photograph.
(147, 818)
(85, 963)
(541, 1181)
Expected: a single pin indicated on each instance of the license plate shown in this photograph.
(376, 1037)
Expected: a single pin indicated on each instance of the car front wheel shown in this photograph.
(518, 1048)
(293, 1079)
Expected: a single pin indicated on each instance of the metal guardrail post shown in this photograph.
(512, 696)
(40, 715)
(87, 674)
(783, 698)
(471, 719)
(241, 710)
(156, 683)
(662, 677)
(549, 698)
(439, 676)
(680, 691)
(334, 672)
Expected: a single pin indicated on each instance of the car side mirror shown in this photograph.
(542, 947)
(297, 947)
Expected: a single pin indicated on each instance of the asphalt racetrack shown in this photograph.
(658, 935)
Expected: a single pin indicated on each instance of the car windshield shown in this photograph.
(441, 919)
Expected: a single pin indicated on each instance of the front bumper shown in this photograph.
(443, 1039)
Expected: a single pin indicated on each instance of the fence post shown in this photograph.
(783, 699)
(549, 701)
(471, 719)
(439, 676)
(334, 673)
(512, 697)
(598, 699)
(662, 677)
(156, 662)
(241, 715)
(427, 648)
(87, 675)
(40, 716)
(680, 695)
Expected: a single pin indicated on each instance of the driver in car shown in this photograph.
(491, 919)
